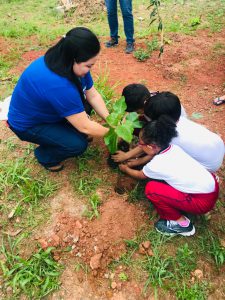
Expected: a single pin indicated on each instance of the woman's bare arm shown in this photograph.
(96, 101)
(83, 124)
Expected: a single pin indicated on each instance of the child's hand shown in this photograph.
(120, 156)
(133, 162)
(123, 167)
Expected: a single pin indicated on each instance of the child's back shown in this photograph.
(200, 143)
(180, 170)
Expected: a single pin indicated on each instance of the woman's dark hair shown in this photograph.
(78, 45)
(159, 132)
(164, 103)
(135, 95)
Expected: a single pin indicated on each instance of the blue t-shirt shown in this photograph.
(41, 96)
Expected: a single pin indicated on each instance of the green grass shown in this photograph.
(85, 179)
(89, 158)
(168, 270)
(38, 23)
(34, 277)
(85, 185)
(21, 194)
(17, 178)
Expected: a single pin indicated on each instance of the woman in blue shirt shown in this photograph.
(48, 103)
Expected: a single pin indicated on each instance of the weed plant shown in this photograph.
(34, 277)
(106, 90)
(141, 54)
(210, 244)
(94, 203)
(82, 266)
(152, 45)
(123, 276)
(198, 290)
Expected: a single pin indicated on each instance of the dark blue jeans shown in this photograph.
(56, 142)
(128, 21)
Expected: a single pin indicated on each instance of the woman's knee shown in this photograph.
(78, 147)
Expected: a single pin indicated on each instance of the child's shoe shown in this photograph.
(173, 228)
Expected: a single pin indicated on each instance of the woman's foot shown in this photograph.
(57, 168)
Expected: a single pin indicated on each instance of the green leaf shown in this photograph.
(111, 140)
(160, 27)
(125, 131)
(113, 119)
(133, 117)
(120, 106)
(153, 13)
(197, 115)
(161, 50)
(153, 20)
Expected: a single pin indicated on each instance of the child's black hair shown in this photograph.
(135, 95)
(164, 103)
(79, 45)
(159, 132)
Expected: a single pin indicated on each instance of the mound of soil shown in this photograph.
(87, 9)
(99, 241)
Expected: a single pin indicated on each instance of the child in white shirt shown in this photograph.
(178, 182)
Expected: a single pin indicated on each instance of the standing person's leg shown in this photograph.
(111, 6)
(128, 22)
(57, 142)
(170, 203)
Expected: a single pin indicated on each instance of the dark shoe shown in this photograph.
(54, 169)
(112, 43)
(129, 48)
(173, 228)
(219, 100)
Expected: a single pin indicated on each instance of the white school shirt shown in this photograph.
(200, 143)
(180, 171)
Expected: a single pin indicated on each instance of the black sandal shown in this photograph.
(60, 168)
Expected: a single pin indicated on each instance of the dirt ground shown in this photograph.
(192, 68)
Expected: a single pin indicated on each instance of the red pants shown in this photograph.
(170, 203)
